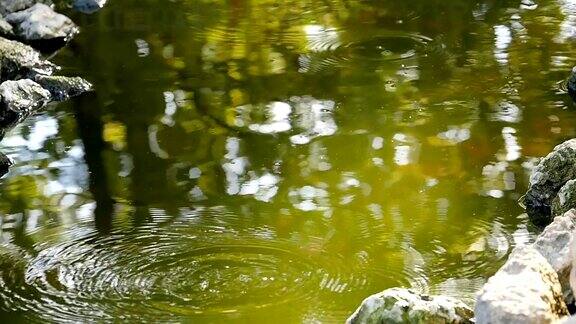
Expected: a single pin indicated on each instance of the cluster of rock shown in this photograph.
(536, 283)
(29, 28)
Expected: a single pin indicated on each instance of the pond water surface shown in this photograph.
(263, 161)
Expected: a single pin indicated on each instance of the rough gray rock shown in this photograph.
(20, 61)
(40, 22)
(525, 290)
(573, 268)
(62, 88)
(565, 199)
(20, 99)
(554, 244)
(567, 320)
(547, 178)
(5, 27)
(398, 305)
(10, 6)
(88, 6)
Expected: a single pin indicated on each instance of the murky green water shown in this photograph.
(257, 161)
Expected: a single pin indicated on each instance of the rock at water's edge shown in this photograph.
(20, 99)
(40, 22)
(567, 320)
(525, 290)
(62, 88)
(554, 244)
(88, 6)
(5, 28)
(547, 178)
(399, 305)
(21, 61)
(565, 199)
(5, 164)
(571, 84)
(10, 6)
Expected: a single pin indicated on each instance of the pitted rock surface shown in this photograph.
(547, 179)
(22, 61)
(525, 290)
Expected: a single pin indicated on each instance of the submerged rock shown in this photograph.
(62, 88)
(554, 244)
(525, 290)
(21, 61)
(41, 23)
(20, 99)
(398, 305)
(88, 6)
(10, 6)
(546, 180)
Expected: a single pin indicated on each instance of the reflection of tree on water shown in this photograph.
(90, 131)
(245, 92)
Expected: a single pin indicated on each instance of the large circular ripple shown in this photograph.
(160, 274)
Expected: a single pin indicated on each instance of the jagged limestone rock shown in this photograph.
(554, 244)
(20, 99)
(62, 88)
(525, 290)
(547, 178)
(399, 305)
(21, 61)
(40, 22)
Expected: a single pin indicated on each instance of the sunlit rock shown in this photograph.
(554, 245)
(9, 6)
(88, 6)
(525, 290)
(20, 99)
(62, 88)
(20, 61)
(399, 305)
(572, 256)
(547, 178)
(567, 320)
(41, 23)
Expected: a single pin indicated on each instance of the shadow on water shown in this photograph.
(242, 161)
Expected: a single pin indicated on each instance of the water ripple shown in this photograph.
(163, 273)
